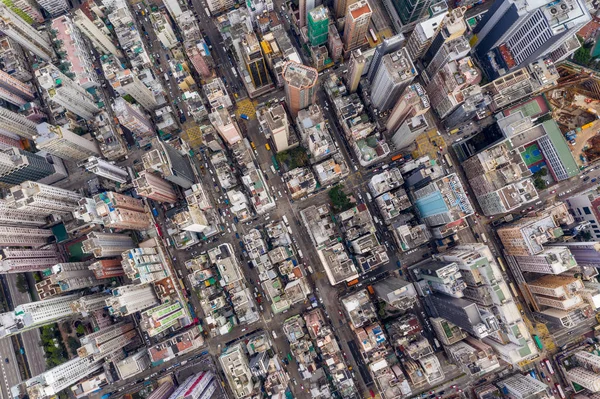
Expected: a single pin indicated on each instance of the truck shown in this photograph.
(285, 220)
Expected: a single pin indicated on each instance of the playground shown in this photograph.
(533, 108)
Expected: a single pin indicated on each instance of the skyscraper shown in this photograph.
(42, 199)
(420, 38)
(107, 268)
(119, 211)
(28, 260)
(101, 41)
(15, 86)
(356, 66)
(17, 166)
(124, 81)
(389, 45)
(54, 7)
(105, 245)
(356, 26)
(412, 102)
(23, 33)
(318, 25)
(452, 26)
(394, 74)
(105, 169)
(129, 299)
(170, 163)
(300, 83)
(154, 187)
(198, 386)
(11, 216)
(254, 60)
(15, 125)
(276, 126)
(36, 314)
(65, 277)
(65, 92)
(51, 382)
(64, 143)
(132, 118)
(514, 33)
(106, 341)
(225, 125)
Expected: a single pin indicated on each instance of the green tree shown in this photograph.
(73, 344)
(539, 183)
(21, 283)
(80, 330)
(582, 56)
(339, 199)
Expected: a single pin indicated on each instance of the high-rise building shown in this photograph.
(420, 38)
(13, 58)
(340, 8)
(447, 332)
(217, 6)
(107, 268)
(164, 391)
(105, 169)
(65, 92)
(119, 211)
(99, 39)
(143, 265)
(514, 33)
(28, 260)
(69, 43)
(356, 66)
(174, 8)
(412, 102)
(128, 299)
(254, 60)
(106, 341)
(276, 126)
(318, 25)
(235, 365)
(54, 7)
(14, 125)
(394, 74)
(11, 216)
(89, 303)
(17, 166)
(356, 26)
(452, 50)
(300, 83)
(29, 10)
(124, 81)
(36, 314)
(452, 27)
(170, 163)
(587, 254)
(42, 199)
(23, 237)
(105, 245)
(16, 87)
(66, 277)
(154, 187)
(198, 386)
(304, 7)
(23, 33)
(64, 143)
(521, 386)
(225, 125)
(51, 382)
(133, 119)
(390, 45)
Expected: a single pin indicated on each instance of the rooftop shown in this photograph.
(300, 76)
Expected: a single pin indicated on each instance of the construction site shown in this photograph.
(575, 106)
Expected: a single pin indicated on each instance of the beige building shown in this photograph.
(356, 26)
(121, 211)
(300, 83)
(154, 187)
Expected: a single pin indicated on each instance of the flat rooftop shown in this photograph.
(299, 75)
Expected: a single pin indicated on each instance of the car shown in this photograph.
(594, 180)
(243, 330)
(553, 192)
(6, 360)
(548, 379)
(242, 244)
(586, 178)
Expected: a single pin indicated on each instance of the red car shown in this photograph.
(372, 393)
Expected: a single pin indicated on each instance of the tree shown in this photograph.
(73, 344)
(539, 183)
(22, 283)
(582, 56)
(339, 199)
(80, 330)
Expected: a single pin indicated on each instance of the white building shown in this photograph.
(234, 362)
(36, 314)
(26, 260)
(105, 169)
(51, 382)
(23, 33)
(105, 245)
(66, 93)
(10, 216)
(55, 7)
(64, 143)
(128, 299)
(276, 126)
(99, 39)
(217, 6)
(14, 125)
(131, 118)
(394, 74)
(42, 199)
(521, 386)
(106, 341)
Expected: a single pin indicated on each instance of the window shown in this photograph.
(587, 210)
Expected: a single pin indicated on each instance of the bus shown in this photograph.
(448, 160)
(396, 157)
(353, 282)
(514, 290)
(549, 366)
(207, 12)
(373, 35)
(538, 342)
(234, 72)
(275, 164)
(501, 263)
(560, 391)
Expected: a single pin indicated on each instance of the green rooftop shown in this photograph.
(561, 147)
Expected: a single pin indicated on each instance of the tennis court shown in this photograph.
(535, 107)
(531, 155)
